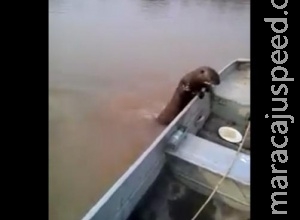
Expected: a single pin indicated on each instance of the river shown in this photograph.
(113, 65)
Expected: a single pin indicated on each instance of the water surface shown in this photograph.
(113, 66)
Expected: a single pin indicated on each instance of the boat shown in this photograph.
(184, 164)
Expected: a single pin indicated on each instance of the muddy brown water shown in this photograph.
(112, 67)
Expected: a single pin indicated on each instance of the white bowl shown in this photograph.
(230, 134)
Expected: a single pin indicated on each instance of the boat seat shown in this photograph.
(199, 162)
(214, 157)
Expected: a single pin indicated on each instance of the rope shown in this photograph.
(222, 179)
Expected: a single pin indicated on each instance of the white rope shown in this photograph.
(222, 179)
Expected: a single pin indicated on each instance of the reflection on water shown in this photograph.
(113, 65)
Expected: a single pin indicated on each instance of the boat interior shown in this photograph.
(169, 199)
(193, 161)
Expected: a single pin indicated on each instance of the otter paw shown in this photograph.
(186, 88)
(207, 89)
(201, 95)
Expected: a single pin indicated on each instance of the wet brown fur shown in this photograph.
(190, 84)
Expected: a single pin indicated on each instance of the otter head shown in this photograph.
(203, 77)
(208, 76)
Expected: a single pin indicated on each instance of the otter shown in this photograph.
(195, 82)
